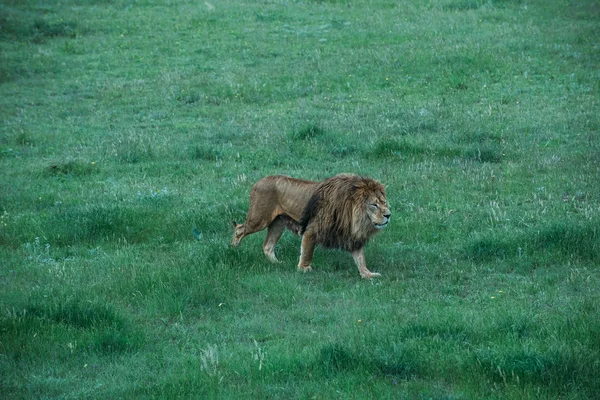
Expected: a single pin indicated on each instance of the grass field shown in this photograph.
(125, 124)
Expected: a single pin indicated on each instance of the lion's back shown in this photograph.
(281, 194)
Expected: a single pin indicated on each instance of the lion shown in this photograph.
(341, 212)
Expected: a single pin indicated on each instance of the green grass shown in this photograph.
(127, 125)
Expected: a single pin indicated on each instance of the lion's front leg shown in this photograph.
(361, 263)
(306, 251)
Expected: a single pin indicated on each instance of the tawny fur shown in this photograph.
(340, 212)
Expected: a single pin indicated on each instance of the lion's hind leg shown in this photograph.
(252, 225)
(239, 231)
(274, 233)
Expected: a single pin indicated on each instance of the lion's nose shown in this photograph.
(388, 215)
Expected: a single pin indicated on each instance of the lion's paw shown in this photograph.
(304, 269)
(369, 275)
(271, 257)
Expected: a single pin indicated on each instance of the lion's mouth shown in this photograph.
(382, 225)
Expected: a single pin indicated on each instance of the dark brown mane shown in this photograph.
(336, 211)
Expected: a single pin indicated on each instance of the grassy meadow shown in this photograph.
(127, 124)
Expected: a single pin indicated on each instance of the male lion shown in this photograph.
(340, 212)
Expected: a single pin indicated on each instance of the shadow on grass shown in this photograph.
(150, 218)
(557, 368)
(462, 5)
(76, 312)
(16, 24)
(570, 239)
(387, 147)
(335, 358)
(98, 326)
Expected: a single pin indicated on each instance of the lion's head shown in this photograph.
(371, 199)
(345, 211)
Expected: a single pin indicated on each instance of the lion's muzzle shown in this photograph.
(386, 220)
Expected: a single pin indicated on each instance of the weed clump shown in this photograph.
(44, 29)
(116, 340)
(71, 167)
(388, 147)
(200, 152)
(308, 132)
(484, 154)
(462, 5)
(336, 358)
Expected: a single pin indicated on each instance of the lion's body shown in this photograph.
(276, 202)
(340, 212)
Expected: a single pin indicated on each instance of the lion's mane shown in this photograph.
(336, 212)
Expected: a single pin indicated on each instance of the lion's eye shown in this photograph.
(375, 205)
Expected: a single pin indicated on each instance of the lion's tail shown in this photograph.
(309, 211)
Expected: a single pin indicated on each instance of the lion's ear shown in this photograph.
(234, 224)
